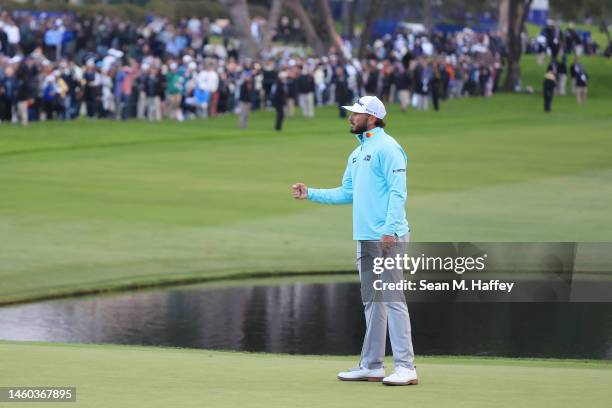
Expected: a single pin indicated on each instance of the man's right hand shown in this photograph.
(299, 191)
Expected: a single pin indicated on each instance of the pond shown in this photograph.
(309, 317)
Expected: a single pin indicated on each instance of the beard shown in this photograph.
(358, 128)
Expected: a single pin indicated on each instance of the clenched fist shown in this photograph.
(299, 191)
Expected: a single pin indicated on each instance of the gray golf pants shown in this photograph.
(378, 311)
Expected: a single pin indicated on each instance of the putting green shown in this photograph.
(125, 376)
(98, 205)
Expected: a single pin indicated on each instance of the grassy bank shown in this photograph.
(160, 377)
(97, 205)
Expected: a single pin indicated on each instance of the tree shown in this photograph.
(427, 17)
(502, 17)
(517, 13)
(334, 38)
(577, 10)
(351, 19)
(364, 41)
(312, 38)
(239, 13)
(275, 10)
(346, 13)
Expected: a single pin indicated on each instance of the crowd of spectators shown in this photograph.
(61, 67)
(558, 46)
(554, 40)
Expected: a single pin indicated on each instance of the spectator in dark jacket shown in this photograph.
(572, 39)
(153, 90)
(25, 89)
(435, 83)
(93, 90)
(343, 93)
(562, 75)
(269, 76)
(371, 83)
(292, 93)
(484, 75)
(8, 92)
(4, 44)
(582, 79)
(404, 84)
(306, 88)
(245, 100)
(279, 98)
(549, 86)
(554, 38)
(422, 76)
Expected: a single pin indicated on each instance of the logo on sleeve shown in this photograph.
(354, 160)
(399, 171)
(367, 158)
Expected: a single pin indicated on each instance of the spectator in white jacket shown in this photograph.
(13, 35)
(208, 81)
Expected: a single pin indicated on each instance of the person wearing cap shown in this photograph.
(375, 183)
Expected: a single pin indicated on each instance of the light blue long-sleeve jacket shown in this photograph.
(375, 182)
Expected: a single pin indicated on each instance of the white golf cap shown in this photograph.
(370, 105)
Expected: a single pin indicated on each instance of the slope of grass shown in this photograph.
(114, 376)
(99, 204)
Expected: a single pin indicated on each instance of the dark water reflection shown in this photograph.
(310, 318)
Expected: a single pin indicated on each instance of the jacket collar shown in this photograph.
(369, 135)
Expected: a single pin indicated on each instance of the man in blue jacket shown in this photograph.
(375, 183)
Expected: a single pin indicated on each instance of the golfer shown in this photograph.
(375, 183)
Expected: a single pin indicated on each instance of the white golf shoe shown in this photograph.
(362, 374)
(402, 376)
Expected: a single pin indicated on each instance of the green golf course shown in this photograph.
(99, 205)
(94, 206)
(124, 376)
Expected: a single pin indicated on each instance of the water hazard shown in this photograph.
(309, 318)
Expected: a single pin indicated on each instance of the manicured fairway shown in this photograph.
(121, 376)
(102, 204)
